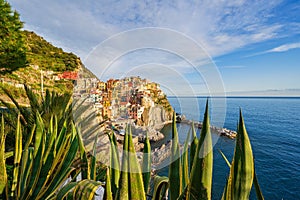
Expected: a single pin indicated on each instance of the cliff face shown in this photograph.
(155, 116)
(152, 121)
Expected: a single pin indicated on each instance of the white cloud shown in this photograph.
(221, 26)
(285, 47)
(281, 48)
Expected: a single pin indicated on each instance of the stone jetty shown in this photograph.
(222, 131)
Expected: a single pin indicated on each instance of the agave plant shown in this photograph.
(131, 183)
(87, 186)
(197, 183)
(51, 104)
(242, 172)
(45, 159)
(43, 164)
(126, 181)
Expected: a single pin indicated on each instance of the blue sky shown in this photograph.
(255, 44)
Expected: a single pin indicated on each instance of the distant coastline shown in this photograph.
(241, 97)
(272, 93)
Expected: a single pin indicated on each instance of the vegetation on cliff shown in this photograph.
(12, 47)
(27, 58)
(48, 57)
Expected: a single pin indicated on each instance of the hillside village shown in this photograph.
(128, 98)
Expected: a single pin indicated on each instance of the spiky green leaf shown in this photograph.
(175, 171)
(107, 193)
(146, 164)
(258, 191)
(66, 190)
(242, 168)
(201, 174)
(136, 186)
(161, 185)
(194, 144)
(114, 164)
(17, 158)
(3, 175)
(185, 161)
(93, 160)
(122, 193)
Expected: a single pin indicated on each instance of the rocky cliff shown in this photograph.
(156, 116)
(153, 120)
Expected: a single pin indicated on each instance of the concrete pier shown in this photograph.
(222, 131)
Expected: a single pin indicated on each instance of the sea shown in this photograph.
(273, 126)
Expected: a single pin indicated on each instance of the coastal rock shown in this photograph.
(141, 132)
(155, 117)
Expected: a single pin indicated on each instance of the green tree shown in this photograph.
(12, 48)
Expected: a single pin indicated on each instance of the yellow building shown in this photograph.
(152, 86)
(101, 86)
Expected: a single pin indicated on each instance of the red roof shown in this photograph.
(68, 75)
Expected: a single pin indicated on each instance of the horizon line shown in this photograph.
(208, 96)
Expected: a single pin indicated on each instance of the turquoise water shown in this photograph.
(273, 125)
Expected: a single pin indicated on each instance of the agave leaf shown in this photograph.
(66, 190)
(61, 137)
(85, 167)
(35, 170)
(185, 161)
(123, 191)
(8, 154)
(26, 164)
(52, 194)
(3, 175)
(44, 175)
(194, 144)
(60, 155)
(114, 164)
(17, 157)
(201, 174)
(224, 157)
(38, 133)
(33, 99)
(227, 192)
(136, 185)
(85, 172)
(29, 138)
(107, 193)
(242, 167)
(81, 189)
(175, 171)
(64, 169)
(114, 139)
(93, 160)
(146, 164)
(258, 191)
(184, 194)
(61, 165)
(161, 185)
(50, 142)
(22, 114)
(13, 112)
(86, 189)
